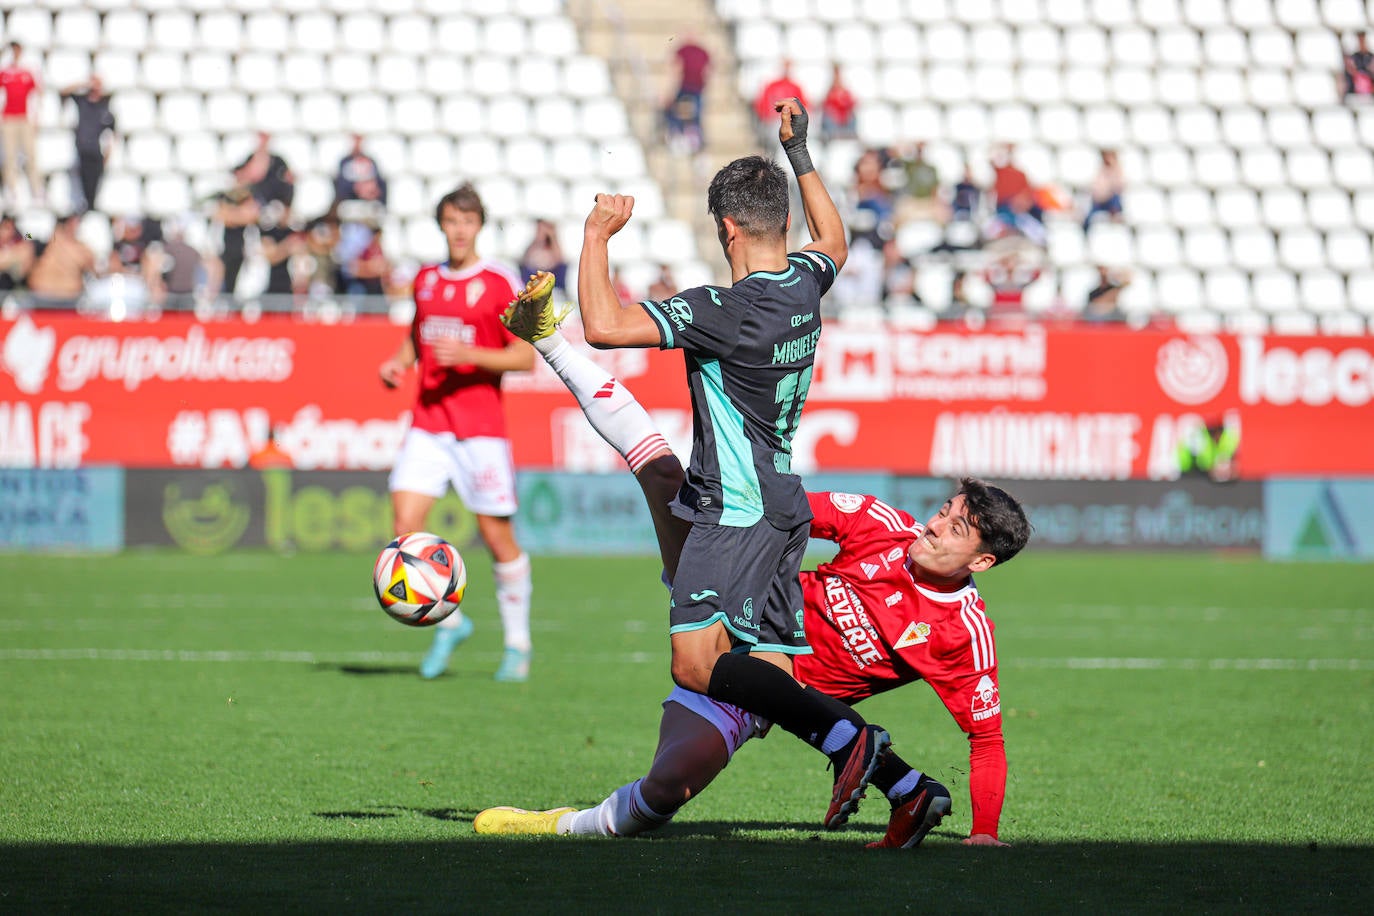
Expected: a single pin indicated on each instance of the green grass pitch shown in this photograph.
(248, 734)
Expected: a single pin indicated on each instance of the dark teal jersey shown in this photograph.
(749, 351)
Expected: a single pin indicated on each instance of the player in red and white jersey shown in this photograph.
(893, 607)
(896, 604)
(457, 434)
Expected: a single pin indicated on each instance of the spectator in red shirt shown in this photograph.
(766, 116)
(1014, 198)
(838, 121)
(683, 111)
(18, 132)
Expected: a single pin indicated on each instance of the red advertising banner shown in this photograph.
(1042, 402)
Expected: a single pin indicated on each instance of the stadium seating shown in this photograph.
(1250, 182)
(443, 90)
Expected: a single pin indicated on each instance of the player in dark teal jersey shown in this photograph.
(743, 515)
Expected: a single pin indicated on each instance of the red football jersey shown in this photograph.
(466, 304)
(873, 626)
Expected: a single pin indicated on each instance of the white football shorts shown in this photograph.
(735, 725)
(480, 469)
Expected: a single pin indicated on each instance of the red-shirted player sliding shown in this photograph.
(897, 604)
(457, 432)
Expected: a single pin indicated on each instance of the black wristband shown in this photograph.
(799, 156)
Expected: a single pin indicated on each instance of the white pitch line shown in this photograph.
(640, 658)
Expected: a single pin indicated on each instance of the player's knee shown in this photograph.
(690, 673)
(665, 790)
(662, 475)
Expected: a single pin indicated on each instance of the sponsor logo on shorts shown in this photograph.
(986, 700)
(744, 624)
(800, 631)
(748, 608)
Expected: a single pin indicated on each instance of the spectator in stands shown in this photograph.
(683, 112)
(179, 271)
(16, 255)
(18, 132)
(899, 279)
(94, 138)
(371, 269)
(322, 236)
(965, 198)
(1104, 195)
(235, 210)
(664, 286)
(359, 222)
(545, 253)
(131, 237)
(839, 120)
(871, 191)
(358, 176)
(1103, 303)
(1357, 77)
(1014, 199)
(959, 306)
(266, 174)
(1009, 275)
(766, 116)
(58, 277)
(920, 186)
(281, 243)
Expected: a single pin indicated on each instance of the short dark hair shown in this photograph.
(463, 198)
(1001, 522)
(753, 192)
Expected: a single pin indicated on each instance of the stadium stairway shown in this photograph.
(637, 40)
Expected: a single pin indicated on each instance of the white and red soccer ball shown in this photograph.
(419, 578)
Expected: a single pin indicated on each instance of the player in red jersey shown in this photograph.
(895, 605)
(457, 433)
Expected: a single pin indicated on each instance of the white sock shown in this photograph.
(904, 785)
(840, 734)
(610, 408)
(513, 588)
(623, 813)
(452, 621)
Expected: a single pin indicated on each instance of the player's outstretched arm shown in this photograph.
(822, 217)
(605, 322)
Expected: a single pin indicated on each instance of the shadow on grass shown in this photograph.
(688, 869)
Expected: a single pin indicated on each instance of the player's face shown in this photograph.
(951, 547)
(460, 228)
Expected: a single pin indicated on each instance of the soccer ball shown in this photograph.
(419, 579)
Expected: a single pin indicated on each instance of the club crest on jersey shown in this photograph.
(914, 634)
(986, 700)
(848, 503)
(475, 289)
